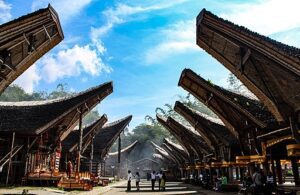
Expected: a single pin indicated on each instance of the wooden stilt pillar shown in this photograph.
(119, 158)
(295, 171)
(10, 157)
(278, 171)
(230, 169)
(80, 141)
(92, 155)
(237, 173)
(27, 158)
(274, 172)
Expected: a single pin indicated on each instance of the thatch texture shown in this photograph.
(268, 68)
(126, 150)
(236, 111)
(108, 135)
(24, 40)
(215, 132)
(70, 144)
(35, 117)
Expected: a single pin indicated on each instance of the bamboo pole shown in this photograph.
(10, 157)
(80, 141)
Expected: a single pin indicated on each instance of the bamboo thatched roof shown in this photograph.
(24, 40)
(165, 153)
(236, 111)
(108, 135)
(182, 140)
(62, 114)
(270, 69)
(71, 142)
(197, 142)
(192, 142)
(211, 129)
(125, 150)
(177, 150)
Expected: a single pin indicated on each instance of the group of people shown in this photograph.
(159, 176)
(258, 182)
(137, 180)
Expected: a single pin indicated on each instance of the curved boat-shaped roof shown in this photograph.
(71, 142)
(165, 153)
(125, 150)
(176, 151)
(182, 140)
(24, 40)
(35, 117)
(197, 142)
(191, 141)
(270, 69)
(236, 111)
(108, 135)
(210, 128)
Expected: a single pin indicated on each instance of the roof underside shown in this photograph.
(72, 140)
(167, 154)
(125, 150)
(24, 40)
(33, 118)
(197, 142)
(214, 132)
(108, 135)
(182, 154)
(236, 111)
(182, 140)
(268, 68)
(193, 143)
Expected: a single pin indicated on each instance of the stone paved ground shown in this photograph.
(171, 188)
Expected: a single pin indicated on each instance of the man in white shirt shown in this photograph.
(129, 178)
(153, 178)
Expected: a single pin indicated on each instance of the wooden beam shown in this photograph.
(294, 128)
(2, 76)
(49, 37)
(92, 155)
(80, 141)
(10, 157)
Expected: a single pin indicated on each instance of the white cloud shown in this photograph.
(66, 9)
(122, 13)
(29, 79)
(66, 63)
(5, 14)
(178, 38)
(265, 16)
(72, 62)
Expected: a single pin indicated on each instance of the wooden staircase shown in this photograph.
(79, 182)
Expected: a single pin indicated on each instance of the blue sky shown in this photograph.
(142, 46)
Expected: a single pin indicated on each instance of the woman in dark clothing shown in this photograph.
(163, 181)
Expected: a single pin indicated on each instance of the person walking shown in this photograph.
(159, 176)
(129, 178)
(163, 181)
(69, 169)
(153, 178)
(137, 181)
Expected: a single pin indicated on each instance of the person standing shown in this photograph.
(129, 177)
(159, 175)
(163, 182)
(69, 169)
(137, 181)
(153, 178)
